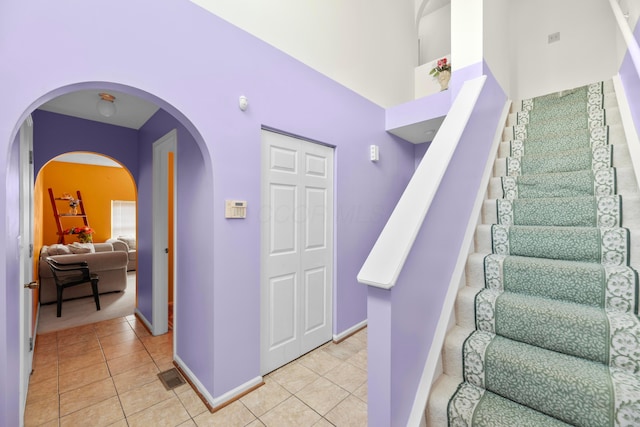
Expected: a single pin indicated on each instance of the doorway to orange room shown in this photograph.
(106, 186)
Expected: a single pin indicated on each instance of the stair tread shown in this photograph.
(556, 319)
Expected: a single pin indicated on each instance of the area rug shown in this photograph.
(83, 311)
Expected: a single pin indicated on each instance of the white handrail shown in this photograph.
(627, 34)
(385, 261)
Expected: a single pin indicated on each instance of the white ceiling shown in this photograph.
(87, 159)
(131, 112)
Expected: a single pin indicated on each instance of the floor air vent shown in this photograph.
(171, 378)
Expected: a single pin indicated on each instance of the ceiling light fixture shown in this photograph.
(106, 106)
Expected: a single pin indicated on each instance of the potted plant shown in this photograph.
(442, 72)
(84, 233)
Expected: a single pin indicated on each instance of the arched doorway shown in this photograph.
(133, 149)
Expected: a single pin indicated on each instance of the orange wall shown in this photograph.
(98, 185)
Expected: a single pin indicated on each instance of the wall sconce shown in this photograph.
(106, 106)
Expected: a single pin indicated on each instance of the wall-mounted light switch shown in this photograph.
(555, 37)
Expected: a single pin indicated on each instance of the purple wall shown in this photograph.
(412, 307)
(55, 134)
(631, 82)
(195, 70)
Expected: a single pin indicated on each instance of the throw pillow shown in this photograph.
(82, 248)
(58, 249)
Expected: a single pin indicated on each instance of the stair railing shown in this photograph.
(626, 84)
(410, 271)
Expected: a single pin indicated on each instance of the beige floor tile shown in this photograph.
(342, 351)
(164, 363)
(152, 341)
(265, 398)
(256, 423)
(290, 413)
(121, 423)
(135, 378)
(357, 342)
(91, 357)
(76, 331)
(77, 349)
(347, 376)
(74, 338)
(235, 414)
(141, 398)
(86, 396)
(361, 336)
(43, 390)
(188, 423)
(320, 361)
(104, 413)
(42, 411)
(192, 402)
(323, 423)
(359, 359)
(118, 338)
(45, 359)
(362, 393)
(294, 377)
(122, 349)
(160, 351)
(43, 373)
(126, 363)
(81, 377)
(46, 339)
(322, 395)
(52, 423)
(351, 412)
(113, 326)
(168, 413)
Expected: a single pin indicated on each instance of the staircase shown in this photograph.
(546, 331)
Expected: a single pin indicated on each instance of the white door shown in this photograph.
(297, 248)
(160, 279)
(26, 258)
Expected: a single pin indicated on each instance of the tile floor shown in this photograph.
(105, 374)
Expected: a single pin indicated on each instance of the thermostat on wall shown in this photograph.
(235, 209)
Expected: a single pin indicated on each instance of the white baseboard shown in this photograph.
(221, 400)
(344, 334)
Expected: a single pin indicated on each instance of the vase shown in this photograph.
(443, 79)
(73, 210)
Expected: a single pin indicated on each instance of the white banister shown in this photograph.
(627, 34)
(386, 260)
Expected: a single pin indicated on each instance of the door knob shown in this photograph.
(32, 285)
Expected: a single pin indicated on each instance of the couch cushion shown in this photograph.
(81, 248)
(58, 249)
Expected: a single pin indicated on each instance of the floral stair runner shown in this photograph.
(557, 333)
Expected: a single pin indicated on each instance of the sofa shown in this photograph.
(126, 244)
(110, 265)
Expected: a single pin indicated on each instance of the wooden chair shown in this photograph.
(72, 274)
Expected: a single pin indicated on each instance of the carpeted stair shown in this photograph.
(546, 325)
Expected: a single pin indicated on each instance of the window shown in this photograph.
(123, 218)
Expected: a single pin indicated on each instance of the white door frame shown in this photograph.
(160, 298)
(25, 243)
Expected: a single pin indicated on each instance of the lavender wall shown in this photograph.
(55, 134)
(195, 68)
(413, 306)
(631, 82)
